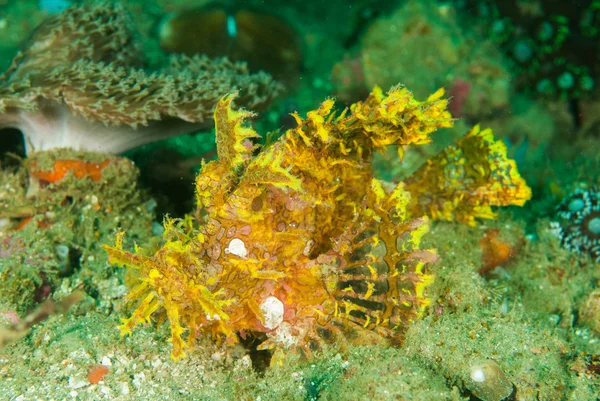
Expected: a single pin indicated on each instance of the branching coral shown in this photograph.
(76, 85)
(297, 241)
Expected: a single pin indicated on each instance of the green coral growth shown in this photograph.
(52, 231)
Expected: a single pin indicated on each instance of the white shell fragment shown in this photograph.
(489, 383)
(272, 311)
(477, 374)
(237, 247)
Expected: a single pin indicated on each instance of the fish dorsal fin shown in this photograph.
(234, 145)
(464, 181)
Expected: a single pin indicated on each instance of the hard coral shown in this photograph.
(77, 85)
(297, 241)
(49, 238)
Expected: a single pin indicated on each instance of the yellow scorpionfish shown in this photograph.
(295, 240)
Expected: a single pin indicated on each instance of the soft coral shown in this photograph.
(77, 84)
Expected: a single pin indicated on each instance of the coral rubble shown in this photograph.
(78, 83)
(55, 211)
(299, 241)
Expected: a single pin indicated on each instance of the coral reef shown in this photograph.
(53, 220)
(507, 299)
(553, 45)
(299, 241)
(471, 319)
(579, 225)
(428, 45)
(78, 84)
(434, 51)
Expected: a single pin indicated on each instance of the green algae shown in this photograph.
(471, 319)
(508, 317)
(140, 367)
